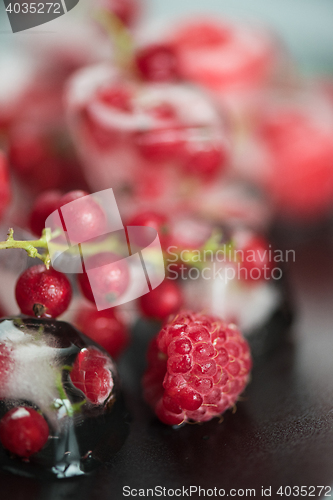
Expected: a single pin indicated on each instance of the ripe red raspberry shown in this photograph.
(23, 431)
(197, 367)
(91, 374)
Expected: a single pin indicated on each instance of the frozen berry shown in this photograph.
(104, 328)
(197, 367)
(43, 292)
(45, 204)
(108, 279)
(6, 365)
(91, 373)
(23, 431)
(84, 218)
(157, 63)
(166, 299)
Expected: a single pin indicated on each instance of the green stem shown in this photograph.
(120, 37)
(29, 246)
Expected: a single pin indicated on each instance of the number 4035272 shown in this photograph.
(34, 8)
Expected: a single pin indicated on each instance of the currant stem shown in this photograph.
(120, 37)
(29, 246)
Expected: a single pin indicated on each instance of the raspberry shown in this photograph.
(23, 431)
(197, 367)
(91, 374)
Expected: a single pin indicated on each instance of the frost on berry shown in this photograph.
(197, 367)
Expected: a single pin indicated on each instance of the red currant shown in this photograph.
(91, 374)
(83, 219)
(103, 327)
(45, 204)
(109, 280)
(156, 220)
(166, 299)
(43, 292)
(157, 63)
(23, 431)
(255, 260)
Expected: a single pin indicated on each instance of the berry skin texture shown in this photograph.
(164, 300)
(45, 204)
(23, 431)
(197, 367)
(157, 63)
(85, 219)
(109, 281)
(42, 292)
(104, 328)
(91, 374)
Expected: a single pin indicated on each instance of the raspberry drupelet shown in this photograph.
(197, 367)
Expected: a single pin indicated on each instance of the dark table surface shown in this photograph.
(280, 435)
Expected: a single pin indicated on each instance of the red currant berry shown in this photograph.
(43, 292)
(45, 204)
(156, 220)
(23, 431)
(91, 374)
(85, 218)
(104, 328)
(255, 260)
(157, 63)
(108, 280)
(166, 299)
